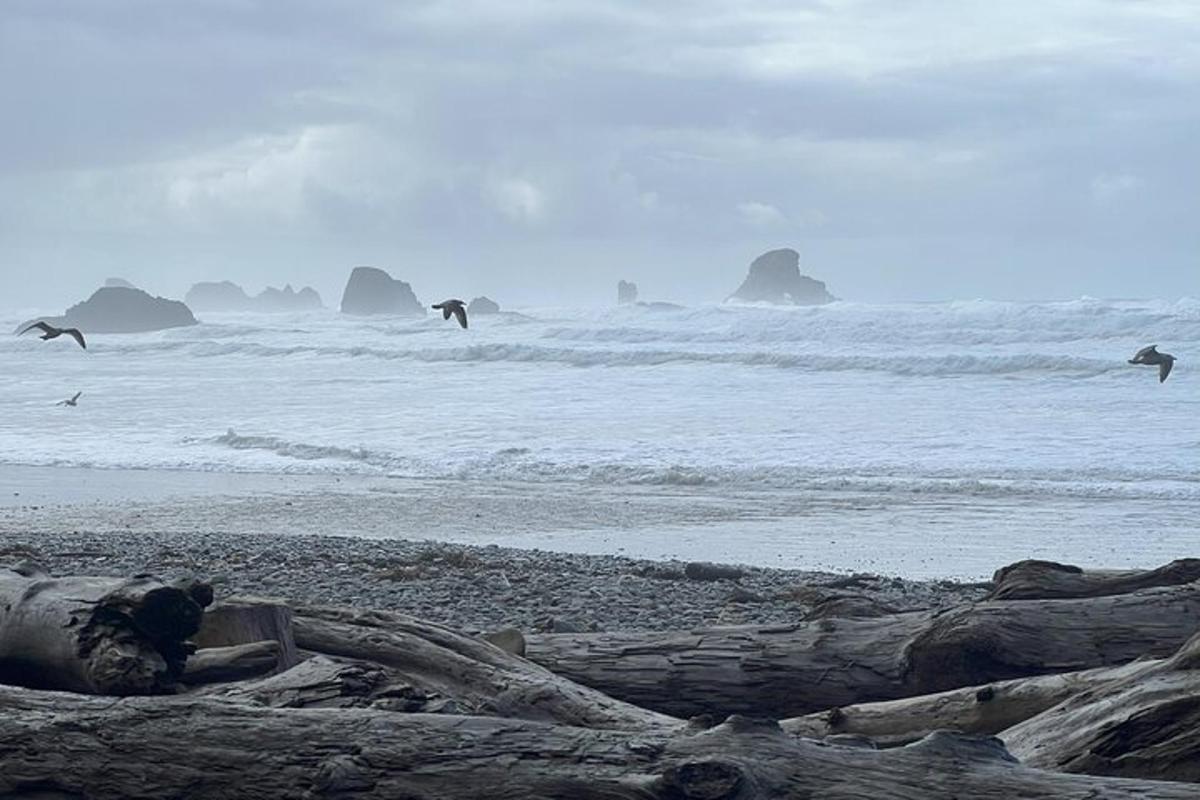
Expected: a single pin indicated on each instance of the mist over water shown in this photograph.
(1023, 409)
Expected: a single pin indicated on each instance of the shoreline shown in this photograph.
(919, 538)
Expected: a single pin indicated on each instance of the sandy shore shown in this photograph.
(913, 538)
(267, 534)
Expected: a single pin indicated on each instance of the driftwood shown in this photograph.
(479, 677)
(77, 746)
(231, 663)
(243, 620)
(986, 709)
(96, 635)
(1146, 725)
(791, 670)
(1035, 579)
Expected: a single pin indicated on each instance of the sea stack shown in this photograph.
(372, 291)
(775, 278)
(483, 306)
(627, 292)
(115, 309)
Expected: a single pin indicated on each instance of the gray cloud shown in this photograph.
(909, 150)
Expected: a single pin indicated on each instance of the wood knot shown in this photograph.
(703, 780)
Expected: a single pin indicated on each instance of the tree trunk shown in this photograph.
(791, 670)
(477, 676)
(203, 747)
(982, 710)
(96, 635)
(1032, 579)
(1146, 725)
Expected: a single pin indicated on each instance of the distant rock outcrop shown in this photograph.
(373, 291)
(483, 305)
(116, 309)
(118, 283)
(626, 292)
(287, 299)
(228, 296)
(213, 296)
(775, 278)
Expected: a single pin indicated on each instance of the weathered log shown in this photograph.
(96, 635)
(233, 663)
(1033, 579)
(1145, 725)
(982, 710)
(478, 676)
(77, 746)
(243, 620)
(790, 670)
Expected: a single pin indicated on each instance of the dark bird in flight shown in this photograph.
(51, 332)
(71, 401)
(455, 307)
(1150, 355)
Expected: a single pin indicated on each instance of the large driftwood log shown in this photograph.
(478, 676)
(790, 670)
(982, 710)
(1033, 579)
(1146, 725)
(94, 634)
(200, 747)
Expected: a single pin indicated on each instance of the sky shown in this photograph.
(538, 151)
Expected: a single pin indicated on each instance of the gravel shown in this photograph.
(479, 589)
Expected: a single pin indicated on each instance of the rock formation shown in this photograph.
(627, 292)
(213, 296)
(287, 299)
(775, 278)
(373, 291)
(114, 309)
(228, 296)
(483, 305)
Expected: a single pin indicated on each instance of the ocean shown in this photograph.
(932, 439)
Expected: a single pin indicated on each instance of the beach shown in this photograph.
(272, 536)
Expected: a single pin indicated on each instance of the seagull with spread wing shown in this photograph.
(51, 332)
(1151, 356)
(70, 401)
(456, 307)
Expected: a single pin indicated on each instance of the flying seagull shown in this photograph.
(72, 401)
(455, 307)
(51, 332)
(1150, 355)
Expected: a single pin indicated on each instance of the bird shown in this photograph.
(1150, 355)
(455, 307)
(70, 401)
(51, 332)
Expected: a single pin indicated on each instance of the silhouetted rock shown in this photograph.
(228, 296)
(483, 305)
(115, 309)
(373, 291)
(119, 283)
(775, 278)
(213, 296)
(626, 292)
(287, 299)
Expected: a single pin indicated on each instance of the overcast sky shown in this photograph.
(539, 151)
